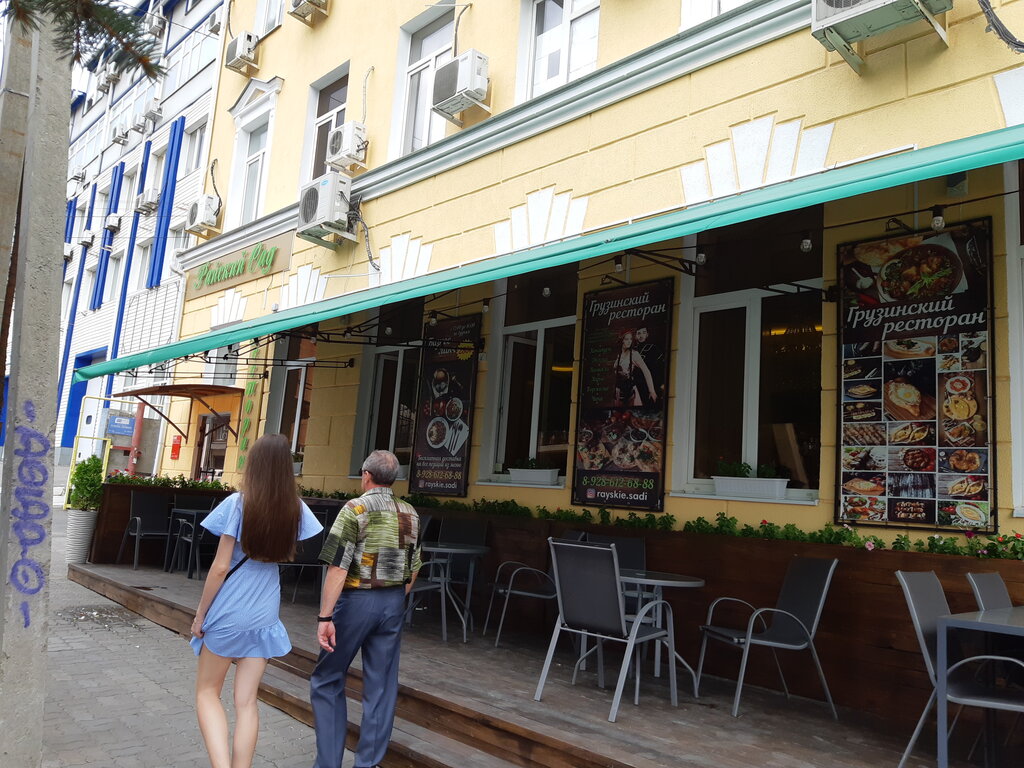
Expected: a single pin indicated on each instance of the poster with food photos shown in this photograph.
(915, 380)
(620, 420)
(444, 420)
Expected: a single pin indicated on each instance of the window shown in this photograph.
(268, 16)
(564, 42)
(112, 289)
(88, 281)
(193, 148)
(538, 354)
(695, 12)
(298, 389)
(191, 54)
(222, 365)
(127, 193)
(190, 5)
(252, 182)
(330, 114)
(155, 172)
(67, 294)
(143, 255)
(761, 403)
(429, 48)
(177, 240)
(395, 379)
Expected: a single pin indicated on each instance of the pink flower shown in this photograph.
(764, 522)
(983, 552)
(869, 545)
(970, 534)
(1017, 535)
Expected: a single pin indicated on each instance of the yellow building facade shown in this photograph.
(728, 155)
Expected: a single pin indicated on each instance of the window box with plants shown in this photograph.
(528, 472)
(83, 503)
(737, 478)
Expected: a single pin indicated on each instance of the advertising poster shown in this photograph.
(620, 423)
(916, 380)
(440, 461)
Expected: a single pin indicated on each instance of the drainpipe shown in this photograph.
(115, 345)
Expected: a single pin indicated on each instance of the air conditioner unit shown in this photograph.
(304, 10)
(153, 109)
(139, 123)
(155, 24)
(346, 146)
(461, 83)
(69, 251)
(241, 53)
(86, 238)
(146, 202)
(119, 134)
(78, 174)
(110, 73)
(324, 207)
(212, 23)
(838, 24)
(112, 223)
(202, 214)
(102, 84)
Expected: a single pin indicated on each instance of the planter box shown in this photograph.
(81, 524)
(751, 487)
(534, 476)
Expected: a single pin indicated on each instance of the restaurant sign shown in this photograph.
(263, 258)
(620, 423)
(444, 421)
(916, 380)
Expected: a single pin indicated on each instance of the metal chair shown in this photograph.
(590, 604)
(793, 622)
(307, 555)
(148, 519)
(186, 536)
(989, 591)
(927, 602)
(523, 581)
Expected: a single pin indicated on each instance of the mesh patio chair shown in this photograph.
(927, 603)
(520, 580)
(307, 555)
(148, 519)
(590, 604)
(462, 568)
(989, 591)
(790, 625)
(186, 538)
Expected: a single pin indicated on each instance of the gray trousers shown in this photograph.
(367, 620)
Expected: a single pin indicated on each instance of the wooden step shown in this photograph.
(411, 746)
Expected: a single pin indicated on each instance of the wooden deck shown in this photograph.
(480, 700)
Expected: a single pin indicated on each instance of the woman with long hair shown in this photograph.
(238, 617)
(632, 377)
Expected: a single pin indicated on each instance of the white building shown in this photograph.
(138, 153)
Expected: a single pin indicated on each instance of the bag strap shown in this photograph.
(235, 567)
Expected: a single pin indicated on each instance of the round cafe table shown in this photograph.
(445, 552)
(659, 580)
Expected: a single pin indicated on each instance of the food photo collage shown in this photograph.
(915, 412)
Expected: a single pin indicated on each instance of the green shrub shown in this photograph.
(86, 484)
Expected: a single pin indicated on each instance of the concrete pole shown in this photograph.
(27, 481)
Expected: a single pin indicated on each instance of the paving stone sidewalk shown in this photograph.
(119, 690)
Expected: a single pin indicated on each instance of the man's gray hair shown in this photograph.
(382, 466)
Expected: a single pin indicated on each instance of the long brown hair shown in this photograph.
(270, 511)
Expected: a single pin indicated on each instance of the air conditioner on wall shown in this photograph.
(139, 123)
(202, 214)
(102, 84)
(461, 83)
(307, 10)
(155, 24)
(240, 55)
(212, 23)
(69, 251)
(119, 134)
(346, 146)
(146, 202)
(838, 24)
(112, 223)
(77, 174)
(86, 238)
(110, 73)
(153, 109)
(324, 207)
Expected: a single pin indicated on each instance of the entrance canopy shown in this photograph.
(191, 391)
(848, 181)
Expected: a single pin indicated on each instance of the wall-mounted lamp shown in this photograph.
(545, 292)
(388, 330)
(806, 245)
(347, 333)
(432, 317)
(618, 263)
(689, 266)
(486, 306)
(938, 220)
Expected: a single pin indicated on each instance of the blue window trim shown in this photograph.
(165, 207)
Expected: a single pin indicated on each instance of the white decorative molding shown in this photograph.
(1010, 86)
(406, 257)
(757, 153)
(306, 286)
(230, 308)
(544, 217)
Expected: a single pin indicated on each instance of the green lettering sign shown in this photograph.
(258, 261)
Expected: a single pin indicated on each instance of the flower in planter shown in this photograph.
(970, 534)
(869, 545)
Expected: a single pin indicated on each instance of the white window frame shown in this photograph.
(269, 15)
(250, 115)
(67, 294)
(694, 12)
(313, 121)
(687, 372)
(115, 261)
(376, 357)
(400, 134)
(303, 365)
(571, 14)
(140, 264)
(195, 141)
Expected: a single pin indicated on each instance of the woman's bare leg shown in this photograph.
(248, 673)
(213, 722)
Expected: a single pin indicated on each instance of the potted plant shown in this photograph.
(83, 501)
(526, 471)
(297, 463)
(737, 478)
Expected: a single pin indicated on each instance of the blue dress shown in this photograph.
(244, 619)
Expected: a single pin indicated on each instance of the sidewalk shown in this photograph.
(119, 693)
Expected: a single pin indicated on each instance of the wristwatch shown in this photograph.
(325, 618)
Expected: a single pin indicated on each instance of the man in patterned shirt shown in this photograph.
(372, 557)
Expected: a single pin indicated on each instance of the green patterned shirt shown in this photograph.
(375, 540)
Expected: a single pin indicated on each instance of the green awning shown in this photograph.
(848, 181)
